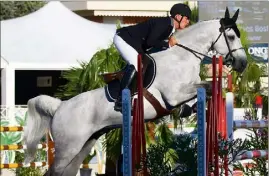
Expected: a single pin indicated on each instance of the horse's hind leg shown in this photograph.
(61, 167)
(73, 167)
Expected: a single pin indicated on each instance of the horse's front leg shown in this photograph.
(190, 106)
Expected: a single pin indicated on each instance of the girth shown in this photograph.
(156, 104)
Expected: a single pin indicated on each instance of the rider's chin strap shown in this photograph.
(179, 20)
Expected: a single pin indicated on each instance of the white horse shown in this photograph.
(75, 123)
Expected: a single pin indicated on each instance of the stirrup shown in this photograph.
(185, 111)
(118, 105)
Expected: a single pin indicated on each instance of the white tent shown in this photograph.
(52, 38)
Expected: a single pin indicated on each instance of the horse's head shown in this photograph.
(229, 44)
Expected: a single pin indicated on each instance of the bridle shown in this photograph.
(228, 61)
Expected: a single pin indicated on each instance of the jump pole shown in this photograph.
(126, 130)
(215, 118)
(134, 137)
(201, 116)
(138, 127)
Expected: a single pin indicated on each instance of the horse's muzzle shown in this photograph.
(240, 65)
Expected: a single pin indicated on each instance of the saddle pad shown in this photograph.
(112, 89)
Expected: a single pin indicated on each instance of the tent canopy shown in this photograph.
(52, 38)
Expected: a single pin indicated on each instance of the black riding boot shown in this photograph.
(125, 82)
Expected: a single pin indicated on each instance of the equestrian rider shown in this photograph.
(137, 39)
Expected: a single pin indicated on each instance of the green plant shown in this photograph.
(248, 84)
(186, 151)
(157, 161)
(89, 157)
(28, 171)
(112, 144)
(21, 120)
(257, 140)
(13, 9)
(193, 125)
(8, 138)
(86, 77)
(179, 155)
(230, 148)
(163, 133)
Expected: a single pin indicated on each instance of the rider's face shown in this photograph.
(184, 22)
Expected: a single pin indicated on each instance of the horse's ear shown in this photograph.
(235, 15)
(227, 14)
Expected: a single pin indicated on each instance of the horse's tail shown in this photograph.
(41, 109)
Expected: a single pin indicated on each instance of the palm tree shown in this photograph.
(86, 77)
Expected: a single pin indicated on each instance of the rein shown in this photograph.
(192, 51)
(226, 61)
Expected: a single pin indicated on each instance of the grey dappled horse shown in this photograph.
(74, 123)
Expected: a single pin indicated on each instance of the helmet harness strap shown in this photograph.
(179, 20)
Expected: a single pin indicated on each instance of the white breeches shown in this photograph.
(128, 53)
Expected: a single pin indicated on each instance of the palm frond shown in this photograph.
(164, 134)
(112, 144)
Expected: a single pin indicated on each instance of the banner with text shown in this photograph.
(253, 18)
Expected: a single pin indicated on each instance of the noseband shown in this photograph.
(227, 60)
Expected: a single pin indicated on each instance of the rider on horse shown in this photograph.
(137, 39)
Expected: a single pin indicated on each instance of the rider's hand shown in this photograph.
(172, 41)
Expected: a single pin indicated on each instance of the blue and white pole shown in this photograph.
(127, 148)
(201, 116)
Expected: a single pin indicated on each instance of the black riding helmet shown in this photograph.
(181, 9)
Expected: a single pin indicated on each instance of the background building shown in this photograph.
(127, 12)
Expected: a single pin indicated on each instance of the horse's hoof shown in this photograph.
(185, 111)
(194, 108)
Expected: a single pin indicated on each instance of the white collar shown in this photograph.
(173, 30)
(172, 24)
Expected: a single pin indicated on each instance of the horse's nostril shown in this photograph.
(244, 63)
(243, 66)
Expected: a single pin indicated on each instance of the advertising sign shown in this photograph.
(259, 52)
(253, 18)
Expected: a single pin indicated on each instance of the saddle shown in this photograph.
(112, 87)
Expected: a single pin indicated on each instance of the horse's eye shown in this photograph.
(231, 37)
